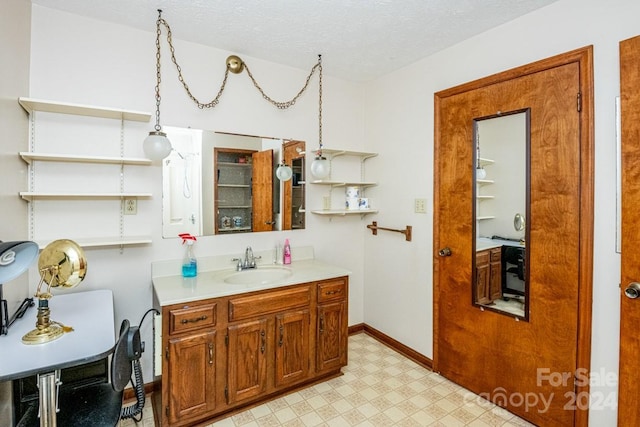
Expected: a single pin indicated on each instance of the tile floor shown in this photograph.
(379, 388)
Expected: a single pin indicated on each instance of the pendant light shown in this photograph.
(320, 166)
(157, 146)
(284, 172)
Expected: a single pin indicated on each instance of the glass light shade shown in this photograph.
(320, 167)
(481, 173)
(284, 172)
(156, 146)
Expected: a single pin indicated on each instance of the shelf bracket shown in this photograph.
(374, 230)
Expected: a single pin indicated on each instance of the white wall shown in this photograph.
(15, 28)
(80, 60)
(399, 124)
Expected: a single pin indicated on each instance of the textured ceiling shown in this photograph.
(358, 39)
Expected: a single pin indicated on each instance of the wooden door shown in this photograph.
(262, 191)
(192, 376)
(247, 360)
(292, 347)
(291, 150)
(491, 353)
(629, 384)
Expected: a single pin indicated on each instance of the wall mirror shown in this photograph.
(221, 183)
(501, 208)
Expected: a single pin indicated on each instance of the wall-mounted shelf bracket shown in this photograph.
(374, 230)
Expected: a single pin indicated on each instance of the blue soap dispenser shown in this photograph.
(190, 263)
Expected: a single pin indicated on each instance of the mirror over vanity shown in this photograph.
(501, 208)
(218, 183)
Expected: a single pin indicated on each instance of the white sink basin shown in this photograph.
(258, 276)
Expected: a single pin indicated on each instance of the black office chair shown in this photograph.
(95, 405)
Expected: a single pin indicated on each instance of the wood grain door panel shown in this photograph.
(332, 336)
(262, 191)
(489, 352)
(292, 347)
(247, 360)
(192, 375)
(629, 384)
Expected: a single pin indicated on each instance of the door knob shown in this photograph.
(446, 251)
(633, 290)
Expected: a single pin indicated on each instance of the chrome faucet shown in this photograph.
(249, 260)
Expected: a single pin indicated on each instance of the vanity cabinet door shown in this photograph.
(192, 375)
(247, 360)
(482, 277)
(292, 347)
(332, 336)
(495, 274)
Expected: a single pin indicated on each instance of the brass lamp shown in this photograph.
(61, 264)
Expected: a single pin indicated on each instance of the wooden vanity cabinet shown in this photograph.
(226, 353)
(488, 275)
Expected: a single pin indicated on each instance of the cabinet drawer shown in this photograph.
(269, 302)
(482, 257)
(188, 318)
(332, 290)
(496, 254)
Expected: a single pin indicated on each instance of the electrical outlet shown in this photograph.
(421, 206)
(130, 206)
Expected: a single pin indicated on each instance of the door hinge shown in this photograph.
(226, 392)
(166, 410)
(226, 340)
(579, 102)
(166, 353)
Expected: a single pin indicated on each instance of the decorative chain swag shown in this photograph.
(234, 64)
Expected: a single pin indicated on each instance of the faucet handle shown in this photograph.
(253, 260)
(239, 263)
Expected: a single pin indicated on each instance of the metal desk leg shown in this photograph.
(48, 395)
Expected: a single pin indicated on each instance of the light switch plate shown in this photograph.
(420, 205)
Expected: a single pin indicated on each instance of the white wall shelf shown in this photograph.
(105, 241)
(340, 212)
(344, 183)
(331, 155)
(30, 196)
(69, 158)
(485, 162)
(30, 105)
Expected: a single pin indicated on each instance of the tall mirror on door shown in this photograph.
(501, 210)
(221, 183)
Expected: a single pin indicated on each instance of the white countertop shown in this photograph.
(210, 284)
(483, 243)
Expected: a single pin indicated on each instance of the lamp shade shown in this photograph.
(284, 172)
(15, 258)
(320, 167)
(156, 146)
